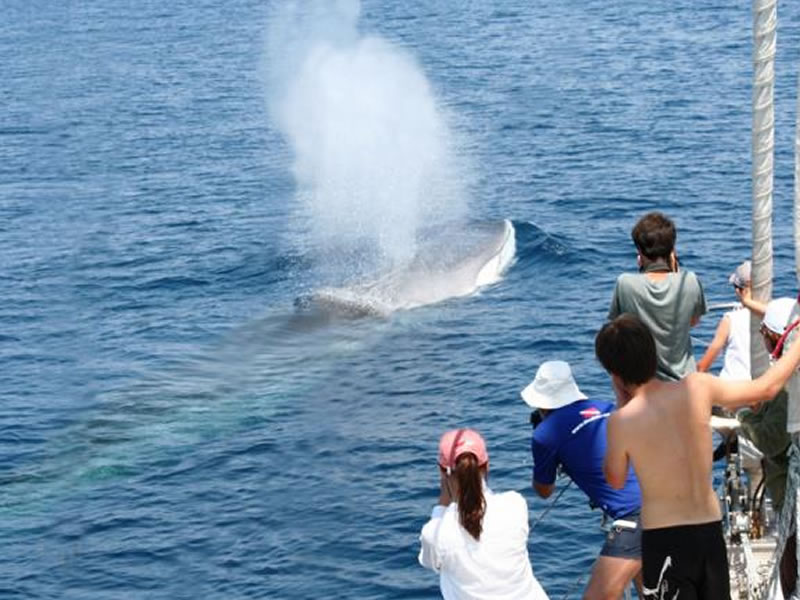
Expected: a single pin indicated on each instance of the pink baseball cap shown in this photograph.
(457, 442)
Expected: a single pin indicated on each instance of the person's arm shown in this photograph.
(700, 307)
(445, 497)
(545, 465)
(615, 465)
(429, 555)
(615, 309)
(746, 298)
(733, 394)
(717, 344)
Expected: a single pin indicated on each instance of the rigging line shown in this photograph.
(550, 506)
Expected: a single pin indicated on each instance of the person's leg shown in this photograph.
(788, 567)
(670, 565)
(619, 562)
(638, 581)
(716, 577)
(610, 577)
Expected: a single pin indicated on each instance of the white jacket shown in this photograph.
(496, 567)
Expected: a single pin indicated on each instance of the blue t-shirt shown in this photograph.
(575, 437)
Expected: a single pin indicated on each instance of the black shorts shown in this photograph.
(689, 562)
(624, 540)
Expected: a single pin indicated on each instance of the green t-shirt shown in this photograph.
(766, 428)
(667, 307)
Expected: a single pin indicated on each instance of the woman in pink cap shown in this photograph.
(475, 539)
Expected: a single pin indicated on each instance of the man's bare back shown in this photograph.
(666, 433)
(662, 428)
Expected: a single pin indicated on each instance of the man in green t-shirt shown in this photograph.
(667, 299)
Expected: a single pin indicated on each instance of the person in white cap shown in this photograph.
(733, 330)
(476, 540)
(765, 427)
(570, 432)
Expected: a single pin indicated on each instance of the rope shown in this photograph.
(551, 505)
(542, 516)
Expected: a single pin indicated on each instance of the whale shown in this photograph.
(451, 261)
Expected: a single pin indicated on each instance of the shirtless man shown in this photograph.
(662, 429)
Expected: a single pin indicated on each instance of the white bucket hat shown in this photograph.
(553, 387)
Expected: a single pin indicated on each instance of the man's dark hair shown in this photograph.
(625, 347)
(654, 236)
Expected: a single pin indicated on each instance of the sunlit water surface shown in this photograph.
(170, 428)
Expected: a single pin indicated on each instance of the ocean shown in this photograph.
(168, 429)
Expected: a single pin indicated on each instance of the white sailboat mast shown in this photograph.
(765, 19)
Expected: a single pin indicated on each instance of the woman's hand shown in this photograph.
(444, 488)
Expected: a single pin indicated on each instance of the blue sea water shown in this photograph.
(166, 431)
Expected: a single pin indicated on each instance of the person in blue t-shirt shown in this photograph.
(570, 431)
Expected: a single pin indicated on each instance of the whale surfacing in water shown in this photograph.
(450, 262)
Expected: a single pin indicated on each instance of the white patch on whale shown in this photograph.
(450, 262)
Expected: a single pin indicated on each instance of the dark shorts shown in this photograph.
(623, 541)
(689, 562)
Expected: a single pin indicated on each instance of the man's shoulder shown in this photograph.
(691, 278)
(695, 381)
(668, 396)
(564, 421)
(601, 405)
(628, 412)
(620, 415)
(631, 285)
(628, 279)
(583, 409)
(547, 432)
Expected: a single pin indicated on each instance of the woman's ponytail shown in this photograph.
(471, 503)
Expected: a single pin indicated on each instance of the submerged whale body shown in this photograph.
(450, 262)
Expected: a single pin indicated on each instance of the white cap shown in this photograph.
(778, 314)
(553, 387)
